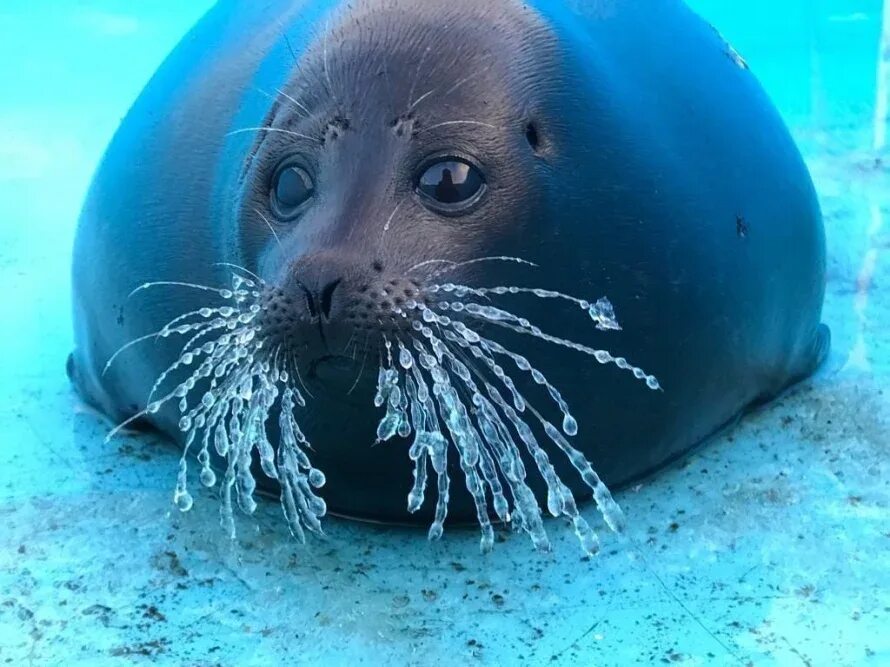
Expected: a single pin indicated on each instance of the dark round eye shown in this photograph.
(452, 183)
(291, 188)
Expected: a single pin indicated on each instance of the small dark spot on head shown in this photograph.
(363, 289)
(377, 266)
(531, 135)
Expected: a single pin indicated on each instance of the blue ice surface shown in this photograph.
(768, 547)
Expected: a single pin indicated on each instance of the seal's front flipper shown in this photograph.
(74, 376)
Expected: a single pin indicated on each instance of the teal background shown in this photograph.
(768, 547)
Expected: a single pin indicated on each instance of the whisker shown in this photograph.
(166, 331)
(352, 339)
(269, 225)
(290, 47)
(560, 500)
(600, 311)
(225, 293)
(417, 76)
(296, 103)
(298, 106)
(497, 435)
(421, 99)
(126, 347)
(279, 130)
(455, 265)
(486, 430)
(466, 79)
(296, 366)
(456, 122)
(428, 262)
(480, 260)
(327, 74)
(238, 383)
(360, 370)
(450, 90)
(390, 219)
(241, 268)
(507, 320)
(124, 424)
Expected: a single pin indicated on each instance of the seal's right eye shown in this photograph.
(292, 187)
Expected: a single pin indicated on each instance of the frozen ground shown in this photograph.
(768, 547)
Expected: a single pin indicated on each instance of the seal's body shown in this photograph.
(621, 146)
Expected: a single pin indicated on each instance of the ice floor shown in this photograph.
(770, 546)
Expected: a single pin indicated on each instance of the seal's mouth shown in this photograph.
(340, 378)
(331, 367)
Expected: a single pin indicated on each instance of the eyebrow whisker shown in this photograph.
(274, 129)
(456, 122)
(294, 101)
(417, 76)
(421, 99)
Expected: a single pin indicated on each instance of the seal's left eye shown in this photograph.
(451, 184)
(291, 188)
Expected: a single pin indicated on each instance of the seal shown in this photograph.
(418, 235)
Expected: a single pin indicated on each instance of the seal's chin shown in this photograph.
(337, 376)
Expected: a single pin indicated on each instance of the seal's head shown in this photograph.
(406, 139)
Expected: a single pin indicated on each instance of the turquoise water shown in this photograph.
(767, 547)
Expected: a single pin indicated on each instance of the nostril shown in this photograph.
(310, 302)
(327, 297)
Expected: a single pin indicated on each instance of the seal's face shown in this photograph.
(382, 162)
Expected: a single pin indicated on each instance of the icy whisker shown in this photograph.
(600, 311)
(238, 267)
(471, 262)
(227, 387)
(441, 382)
(507, 320)
(223, 292)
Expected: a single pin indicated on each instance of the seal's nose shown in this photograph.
(326, 298)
